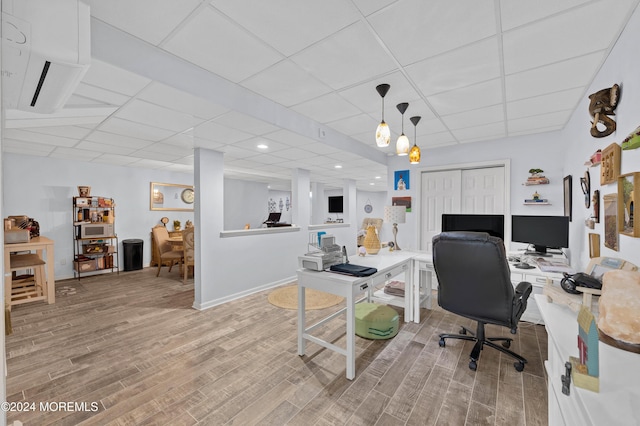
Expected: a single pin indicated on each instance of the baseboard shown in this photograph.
(211, 303)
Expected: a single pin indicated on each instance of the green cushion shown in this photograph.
(375, 321)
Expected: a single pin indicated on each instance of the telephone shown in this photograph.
(570, 282)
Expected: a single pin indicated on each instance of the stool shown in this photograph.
(26, 288)
(375, 321)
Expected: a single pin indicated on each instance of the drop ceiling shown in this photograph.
(299, 77)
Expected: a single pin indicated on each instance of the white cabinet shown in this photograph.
(617, 401)
(538, 280)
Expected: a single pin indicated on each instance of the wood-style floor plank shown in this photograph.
(132, 344)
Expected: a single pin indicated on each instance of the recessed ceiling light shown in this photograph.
(263, 146)
(378, 177)
(338, 166)
(371, 183)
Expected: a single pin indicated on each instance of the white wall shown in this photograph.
(279, 197)
(244, 202)
(45, 194)
(622, 68)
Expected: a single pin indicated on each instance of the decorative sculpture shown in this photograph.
(603, 104)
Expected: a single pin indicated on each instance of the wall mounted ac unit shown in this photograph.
(46, 50)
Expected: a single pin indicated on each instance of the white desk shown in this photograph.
(618, 400)
(388, 264)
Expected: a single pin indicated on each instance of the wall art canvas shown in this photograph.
(610, 202)
(402, 201)
(401, 180)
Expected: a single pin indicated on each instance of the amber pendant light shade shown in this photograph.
(402, 145)
(383, 133)
(414, 154)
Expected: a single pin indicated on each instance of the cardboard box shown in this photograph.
(84, 265)
(14, 236)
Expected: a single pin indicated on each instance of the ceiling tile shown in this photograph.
(477, 117)
(457, 68)
(483, 132)
(516, 13)
(98, 94)
(289, 138)
(552, 119)
(286, 83)
(561, 36)
(556, 101)
(134, 130)
(468, 98)
(418, 29)
(27, 136)
(564, 75)
(73, 154)
(272, 21)
(202, 42)
(112, 139)
(100, 147)
(327, 108)
(115, 159)
(238, 120)
(346, 57)
(23, 147)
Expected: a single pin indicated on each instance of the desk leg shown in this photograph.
(351, 337)
(301, 319)
(50, 278)
(410, 294)
(7, 278)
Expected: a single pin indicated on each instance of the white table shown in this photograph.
(388, 264)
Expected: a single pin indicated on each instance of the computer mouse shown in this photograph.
(524, 265)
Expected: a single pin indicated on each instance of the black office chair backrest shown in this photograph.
(473, 276)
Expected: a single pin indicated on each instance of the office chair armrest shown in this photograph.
(523, 290)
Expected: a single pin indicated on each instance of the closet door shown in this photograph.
(478, 190)
(441, 193)
(483, 191)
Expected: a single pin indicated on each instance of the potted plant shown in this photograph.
(176, 225)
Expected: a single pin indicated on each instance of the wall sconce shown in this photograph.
(402, 145)
(383, 134)
(414, 154)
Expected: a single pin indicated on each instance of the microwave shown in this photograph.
(95, 230)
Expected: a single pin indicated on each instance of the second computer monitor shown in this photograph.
(493, 224)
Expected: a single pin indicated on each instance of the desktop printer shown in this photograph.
(318, 260)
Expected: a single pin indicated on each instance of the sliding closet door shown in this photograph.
(477, 190)
(441, 193)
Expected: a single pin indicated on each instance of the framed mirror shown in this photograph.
(171, 196)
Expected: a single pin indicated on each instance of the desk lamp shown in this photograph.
(395, 215)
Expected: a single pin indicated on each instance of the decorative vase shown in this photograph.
(371, 240)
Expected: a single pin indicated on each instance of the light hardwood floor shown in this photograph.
(132, 344)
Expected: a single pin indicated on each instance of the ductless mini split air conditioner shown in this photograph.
(46, 50)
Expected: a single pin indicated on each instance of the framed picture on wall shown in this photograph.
(610, 202)
(567, 196)
(401, 180)
(402, 201)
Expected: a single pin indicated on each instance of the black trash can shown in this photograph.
(132, 251)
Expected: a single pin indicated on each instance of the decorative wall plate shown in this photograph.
(188, 196)
(368, 208)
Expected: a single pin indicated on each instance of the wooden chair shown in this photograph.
(27, 287)
(164, 249)
(188, 256)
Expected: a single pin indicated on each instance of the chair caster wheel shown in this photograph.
(473, 365)
(463, 331)
(506, 344)
(519, 366)
(441, 343)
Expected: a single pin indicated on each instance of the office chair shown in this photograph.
(474, 281)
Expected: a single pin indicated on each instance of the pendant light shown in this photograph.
(414, 154)
(402, 145)
(383, 134)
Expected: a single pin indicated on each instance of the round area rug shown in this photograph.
(287, 298)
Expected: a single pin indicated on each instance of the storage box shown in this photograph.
(14, 236)
(84, 265)
(94, 248)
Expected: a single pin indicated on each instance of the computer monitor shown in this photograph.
(543, 232)
(335, 204)
(493, 224)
